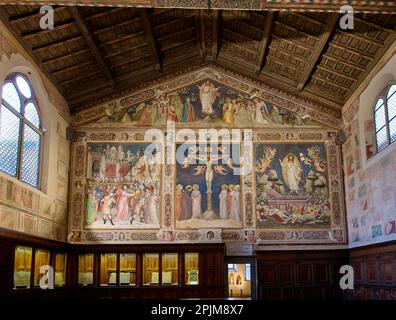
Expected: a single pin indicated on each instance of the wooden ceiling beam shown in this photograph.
(79, 20)
(83, 76)
(116, 25)
(56, 42)
(373, 24)
(121, 39)
(319, 48)
(57, 27)
(150, 39)
(125, 50)
(28, 48)
(208, 34)
(29, 15)
(104, 13)
(331, 82)
(366, 39)
(264, 42)
(286, 52)
(72, 67)
(65, 55)
(310, 19)
(343, 75)
(344, 61)
(308, 35)
(354, 51)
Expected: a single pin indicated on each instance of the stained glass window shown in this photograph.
(20, 131)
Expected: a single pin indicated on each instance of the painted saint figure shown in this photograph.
(105, 206)
(291, 171)
(234, 210)
(179, 202)
(188, 111)
(208, 94)
(223, 197)
(91, 208)
(196, 202)
(122, 203)
(187, 204)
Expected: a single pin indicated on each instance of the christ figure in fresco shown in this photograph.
(208, 94)
(291, 171)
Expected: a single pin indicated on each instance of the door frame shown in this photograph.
(252, 260)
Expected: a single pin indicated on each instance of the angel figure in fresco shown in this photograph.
(291, 171)
(208, 94)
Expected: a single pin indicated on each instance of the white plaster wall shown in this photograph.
(375, 181)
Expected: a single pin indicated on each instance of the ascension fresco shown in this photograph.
(124, 187)
(292, 186)
(205, 103)
(208, 192)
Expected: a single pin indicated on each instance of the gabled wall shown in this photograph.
(23, 208)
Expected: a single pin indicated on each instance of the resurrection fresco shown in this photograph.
(292, 186)
(124, 187)
(208, 192)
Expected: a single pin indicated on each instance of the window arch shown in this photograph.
(20, 131)
(385, 118)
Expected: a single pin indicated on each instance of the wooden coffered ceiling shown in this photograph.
(95, 53)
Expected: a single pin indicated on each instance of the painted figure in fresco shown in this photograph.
(187, 204)
(105, 206)
(91, 208)
(291, 171)
(152, 207)
(172, 116)
(179, 202)
(234, 210)
(122, 196)
(208, 94)
(261, 114)
(223, 197)
(196, 202)
(228, 111)
(188, 111)
(209, 178)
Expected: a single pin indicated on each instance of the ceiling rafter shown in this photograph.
(58, 42)
(319, 48)
(65, 55)
(344, 62)
(338, 73)
(116, 25)
(82, 26)
(264, 44)
(39, 31)
(150, 40)
(29, 15)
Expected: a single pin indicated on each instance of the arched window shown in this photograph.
(20, 131)
(385, 118)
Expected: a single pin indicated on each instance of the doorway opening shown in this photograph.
(240, 280)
